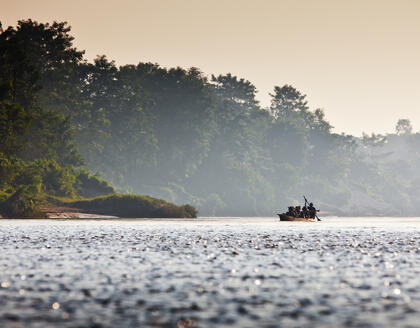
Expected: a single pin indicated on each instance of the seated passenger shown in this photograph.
(305, 212)
(291, 211)
(298, 212)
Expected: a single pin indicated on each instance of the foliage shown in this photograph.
(56, 180)
(51, 137)
(25, 201)
(3, 197)
(88, 185)
(38, 59)
(9, 169)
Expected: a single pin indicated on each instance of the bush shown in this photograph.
(29, 178)
(9, 169)
(88, 185)
(56, 180)
(3, 197)
(24, 203)
(189, 211)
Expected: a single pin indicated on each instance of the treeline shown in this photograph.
(177, 134)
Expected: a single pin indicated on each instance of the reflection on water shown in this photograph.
(248, 272)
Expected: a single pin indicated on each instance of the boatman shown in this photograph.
(312, 210)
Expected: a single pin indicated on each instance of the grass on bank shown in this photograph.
(132, 206)
(23, 205)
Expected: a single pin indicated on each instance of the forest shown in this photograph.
(74, 128)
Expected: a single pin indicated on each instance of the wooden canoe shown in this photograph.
(284, 217)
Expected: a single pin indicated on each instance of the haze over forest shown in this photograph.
(186, 137)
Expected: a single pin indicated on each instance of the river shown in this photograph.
(210, 272)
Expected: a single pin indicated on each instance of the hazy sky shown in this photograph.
(359, 59)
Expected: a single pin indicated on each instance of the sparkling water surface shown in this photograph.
(210, 272)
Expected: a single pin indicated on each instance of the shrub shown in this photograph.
(189, 211)
(9, 169)
(88, 185)
(29, 178)
(23, 203)
(56, 180)
(3, 197)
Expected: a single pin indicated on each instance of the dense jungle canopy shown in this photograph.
(180, 135)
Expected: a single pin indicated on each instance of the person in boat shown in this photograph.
(291, 211)
(302, 213)
(312, 210)
(298, 212)
(305, 211)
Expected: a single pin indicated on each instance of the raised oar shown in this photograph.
(306, 202)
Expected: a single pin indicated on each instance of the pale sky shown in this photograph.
(359, 59)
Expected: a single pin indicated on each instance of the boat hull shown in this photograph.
(284, 217)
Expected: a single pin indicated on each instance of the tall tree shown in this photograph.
(40, 60)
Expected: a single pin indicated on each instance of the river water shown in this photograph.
(210, 272)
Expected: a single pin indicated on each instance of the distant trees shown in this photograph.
(232, 170)
(403, 127)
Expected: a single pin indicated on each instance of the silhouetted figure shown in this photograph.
(291, 211)
(312, 210)
(306, 212)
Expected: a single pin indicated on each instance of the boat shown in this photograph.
(284, 217)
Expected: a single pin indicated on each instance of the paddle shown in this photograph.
(306, 202)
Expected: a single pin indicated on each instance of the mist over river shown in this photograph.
(210, 272)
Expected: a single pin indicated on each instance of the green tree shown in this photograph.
(40, 60)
